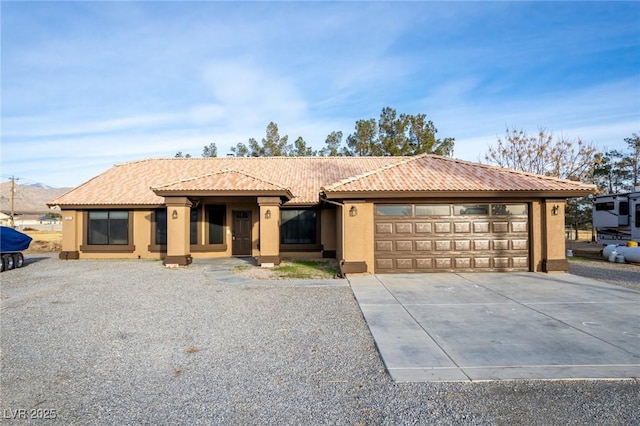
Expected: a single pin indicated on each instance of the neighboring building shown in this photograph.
(5, 219)
(375, 214)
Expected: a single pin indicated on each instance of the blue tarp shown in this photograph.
(12, 240)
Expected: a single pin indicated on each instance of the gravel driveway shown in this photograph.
(130, 342)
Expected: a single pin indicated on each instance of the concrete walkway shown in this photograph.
(500, 326)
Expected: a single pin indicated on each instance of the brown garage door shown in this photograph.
(451, 237)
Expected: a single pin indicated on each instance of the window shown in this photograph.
(108, 227)
(193, 226)
(216, 224)
(160, 226)
(609, 205)
(435, 210)
(624, 208)
(298, 227)
(638, 215)
(508, 209)
(473, 210)
(390, 210)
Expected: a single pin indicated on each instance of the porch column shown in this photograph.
(269, 231)
(553, 244)
(178, 231)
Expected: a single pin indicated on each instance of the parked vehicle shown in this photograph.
(616, 218)
(12, 243)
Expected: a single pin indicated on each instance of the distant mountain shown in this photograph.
(29, 199)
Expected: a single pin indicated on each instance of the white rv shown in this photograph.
(616, 218)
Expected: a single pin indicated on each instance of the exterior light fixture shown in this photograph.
(267, 214)
(555, 210)
(174, 215)
(353, 211)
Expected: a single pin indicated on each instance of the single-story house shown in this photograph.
(424, 213)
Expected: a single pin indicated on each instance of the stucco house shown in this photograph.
(375, 214)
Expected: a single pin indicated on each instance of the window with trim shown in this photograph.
(160, 233)
(637, 215)
(193, 226)
(108, 227)
(216, 218)
(298, 226)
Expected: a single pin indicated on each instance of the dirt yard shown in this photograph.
(44, 241)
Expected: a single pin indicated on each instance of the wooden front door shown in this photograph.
(241, 233)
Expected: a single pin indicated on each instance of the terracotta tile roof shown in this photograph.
(304, 177)
(221, 181)
(130, 183)
(426, 173)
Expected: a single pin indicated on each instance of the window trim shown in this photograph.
(208, 247)
(297, 247)
(107, 248)
(154, 246)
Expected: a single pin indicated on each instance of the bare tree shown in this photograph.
(543, 154)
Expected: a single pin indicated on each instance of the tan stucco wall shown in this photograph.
(358, 233)
(269, 229)
(353, 243)
(328, 237)
(536, 235)
(71, 230)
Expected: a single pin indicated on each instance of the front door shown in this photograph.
(241, 233)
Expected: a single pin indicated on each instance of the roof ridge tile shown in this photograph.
(357, 177)
(218, 172)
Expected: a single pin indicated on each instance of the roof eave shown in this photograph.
(458, 194)
(224, 193)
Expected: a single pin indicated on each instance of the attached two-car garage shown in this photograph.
(451, 237)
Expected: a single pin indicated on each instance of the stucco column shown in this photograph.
(357, 223)
(554, 249)
(178, 231)
(70, 234)
(269, 231)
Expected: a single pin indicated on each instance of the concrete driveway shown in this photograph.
(500, 326)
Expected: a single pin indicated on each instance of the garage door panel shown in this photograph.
(424, 245)
(463, 262)
(520, 262)
(462, 227)
(462, 245)
(424, 228)
(442, 227)
(443, 245)
(404, 245)
(481, 245)
(384, 228)
(478, 241)
(443, 263)
(481, 263)
(520, 244)
(404, 264)
(519, 226)
(424, 264)
(404, 228)
(500, 227)
(481, 227)
(384, 264)
(384, 245)
(501, 263)
(501, 244)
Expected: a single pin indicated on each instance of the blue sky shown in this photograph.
(86, 85)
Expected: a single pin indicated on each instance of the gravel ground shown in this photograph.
(622, 274)
(130, 342)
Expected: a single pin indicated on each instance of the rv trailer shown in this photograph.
(616, 218)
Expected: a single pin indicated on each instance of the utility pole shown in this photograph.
(13, 198)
